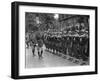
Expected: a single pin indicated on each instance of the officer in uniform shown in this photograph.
(33, 45)
(40, 47)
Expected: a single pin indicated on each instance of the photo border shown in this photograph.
(15, 39)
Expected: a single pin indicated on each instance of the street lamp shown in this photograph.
(37, 20)
(56, 16)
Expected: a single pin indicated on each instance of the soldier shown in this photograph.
(27, 42)
(39, 40)
(40, 47)
(78, 48)
(67, 44)
(27, 38)
(59, 44)
(82, 47)
(70, 45)
(85, 48)
(52, 44)
(33, 45)
(64, 44)
(47, 42)
(75, 47)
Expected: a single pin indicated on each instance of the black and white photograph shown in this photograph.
(51, 40)
(56, 40)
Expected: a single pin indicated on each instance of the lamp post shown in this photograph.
(37, 20)
(56, 16)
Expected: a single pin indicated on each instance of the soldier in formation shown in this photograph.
(74, 46)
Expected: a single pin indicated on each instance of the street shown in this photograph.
(48, 60)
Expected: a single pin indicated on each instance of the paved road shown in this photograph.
(48, 60)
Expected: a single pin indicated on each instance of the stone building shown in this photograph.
(70, 21)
